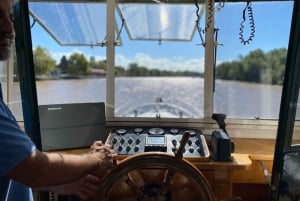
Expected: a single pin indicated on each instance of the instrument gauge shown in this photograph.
(174, 131)
(156, 131)
(121, 131)
(192, 132)
(138, 130)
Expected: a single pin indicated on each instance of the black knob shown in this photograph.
(130, 140)
(200, 151)
(120, 148)
(174, 142)
(137, 141)
(122, 140)
(190, 142)
(114, 141)
(128, 148)
(136, 149)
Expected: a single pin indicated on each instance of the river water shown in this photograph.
(236, 99)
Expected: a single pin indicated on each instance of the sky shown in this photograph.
(272, 26)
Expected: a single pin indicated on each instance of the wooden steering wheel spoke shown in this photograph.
(167, 181)
(129, 181)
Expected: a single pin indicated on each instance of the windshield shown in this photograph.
(161, 67)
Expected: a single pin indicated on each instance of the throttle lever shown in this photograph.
(220, 119)
(184, 140)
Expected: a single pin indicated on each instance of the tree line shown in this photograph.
(256, 66)
(78, 64)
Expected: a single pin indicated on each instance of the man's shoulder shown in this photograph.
(5, 112)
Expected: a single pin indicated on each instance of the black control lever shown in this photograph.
(220, 119)
(184, 139)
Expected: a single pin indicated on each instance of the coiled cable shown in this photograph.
(251, 23)
(209, 14)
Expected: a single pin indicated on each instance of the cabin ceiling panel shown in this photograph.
(77, 23)
(72, 23)
(159, 21)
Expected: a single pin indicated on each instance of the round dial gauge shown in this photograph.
(192, 132)
(174, 131)
(138, 130)
(121, 131)
(156, 131)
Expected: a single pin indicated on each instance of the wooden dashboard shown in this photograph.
(243, 177)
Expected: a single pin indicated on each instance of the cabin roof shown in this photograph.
(84, 23)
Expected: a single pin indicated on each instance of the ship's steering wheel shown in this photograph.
(171, 166)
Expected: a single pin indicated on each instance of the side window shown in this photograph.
(69, 57)
(251, 58)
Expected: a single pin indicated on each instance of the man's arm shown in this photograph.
(49, 169)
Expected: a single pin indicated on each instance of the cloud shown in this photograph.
(173, 64)
(58, 55)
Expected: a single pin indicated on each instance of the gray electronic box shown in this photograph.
(75, 125)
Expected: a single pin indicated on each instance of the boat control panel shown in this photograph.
(133, 140)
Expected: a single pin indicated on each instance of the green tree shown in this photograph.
(102, 64)
(230, 70)
(77, 65)
(154, 72)
(133, 69)
(277, 61)
(120, 71)
(43, 61)
(256, 66)
(63, 65)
